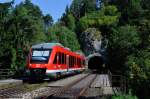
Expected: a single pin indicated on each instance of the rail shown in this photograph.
(87, 86)
(60, 91)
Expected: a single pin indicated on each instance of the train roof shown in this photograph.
(51, 45)
(46, 45)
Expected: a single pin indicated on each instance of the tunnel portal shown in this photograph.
(95, 62)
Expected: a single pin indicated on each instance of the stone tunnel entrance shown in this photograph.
(95, 62)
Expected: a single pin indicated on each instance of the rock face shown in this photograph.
(91, 41)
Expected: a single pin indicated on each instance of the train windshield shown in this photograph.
(40, 56)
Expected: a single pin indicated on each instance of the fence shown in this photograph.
(118, 81)
(6, 73)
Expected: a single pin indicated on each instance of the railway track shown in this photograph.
(58, 90)
(75, 89)
(44, 92)
(11, 92)
(78, 86)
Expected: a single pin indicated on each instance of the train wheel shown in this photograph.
(58, 75)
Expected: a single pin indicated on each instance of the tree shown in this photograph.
(107, 16)
(70, 22)
(68, 19)
(48, 20)
(75, 8)
(139, 67)
(21, 27)
(79, 8)
(33, 10)
(131, 11)
(122, 42)
(5, 35)
(28, 27)
(63, 35)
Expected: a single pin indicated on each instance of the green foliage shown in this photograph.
(125, 23)
(5, 48)
(70, 22)
(139, 74)
(96, 35)
(125, 96)
(122, 42)
(48, 20)
(80, 7)
(107, 16)
(125, 37)
(139, 64)
(13, 59)
(63, 35)
(75, 8)
(134, 11)
(145, 33)
(131, 11)
(21, 27)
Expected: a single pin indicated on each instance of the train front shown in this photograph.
(37, 61)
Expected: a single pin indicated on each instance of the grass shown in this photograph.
(26, 86)
(30, 87)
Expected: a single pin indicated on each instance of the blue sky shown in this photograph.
(53, 7)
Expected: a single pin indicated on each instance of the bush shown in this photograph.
(125, 96)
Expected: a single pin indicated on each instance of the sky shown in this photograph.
(53, 7)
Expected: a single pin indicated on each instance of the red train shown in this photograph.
(53, 60)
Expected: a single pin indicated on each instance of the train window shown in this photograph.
(79, 62)
(40, 55)
(69, 61)
(63, 59)
(74, 60)
(83, 62)
(55, 59)
(59, 59)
